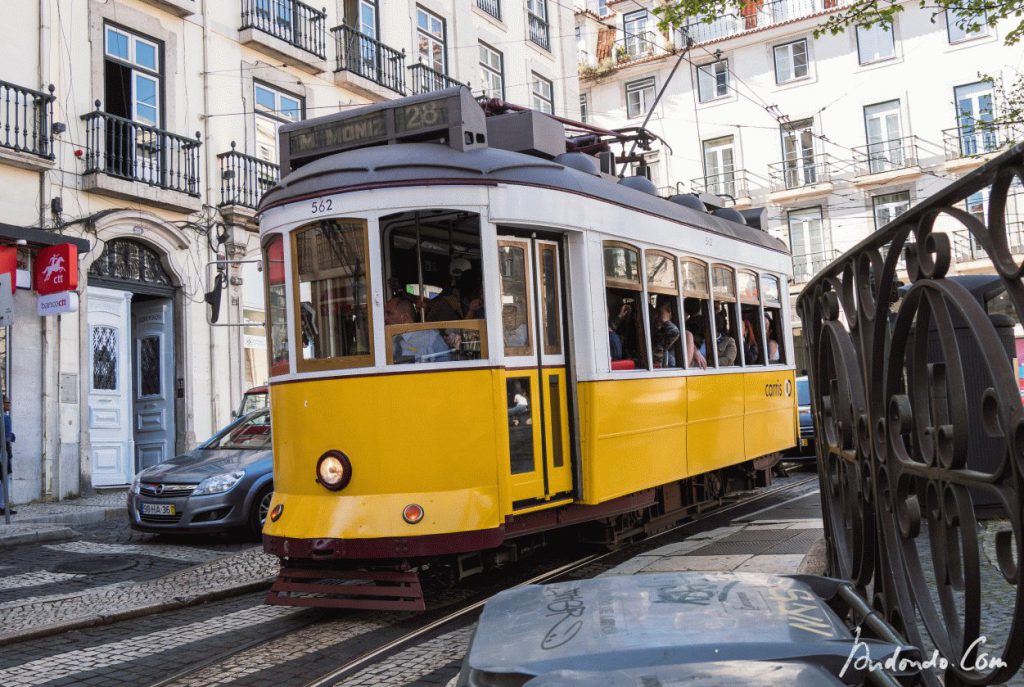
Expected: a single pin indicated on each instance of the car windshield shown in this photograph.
(253, 402)
(803, 391)
(249, 432)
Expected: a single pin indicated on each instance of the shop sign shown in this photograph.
(57, 303)
(9, 263)
(56, 269)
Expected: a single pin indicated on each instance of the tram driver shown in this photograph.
(416, 346)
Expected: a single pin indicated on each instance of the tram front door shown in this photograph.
(533, 317)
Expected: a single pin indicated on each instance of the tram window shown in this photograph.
(435, 302)
(332, 305)
(624, 298)
(772, 299)
(519, 394)
(663, 295)
(750, 316)
(277, 305)
(723, 288)
(549, 299)
(515, 298)
(697, 320)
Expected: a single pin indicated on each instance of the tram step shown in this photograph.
(382, 590)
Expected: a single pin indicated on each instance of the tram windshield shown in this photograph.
(434, 274)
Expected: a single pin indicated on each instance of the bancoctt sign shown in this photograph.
(779, 389)
(57, 303)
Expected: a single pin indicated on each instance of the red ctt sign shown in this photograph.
(56, 269)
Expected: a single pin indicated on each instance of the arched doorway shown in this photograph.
(131, 361)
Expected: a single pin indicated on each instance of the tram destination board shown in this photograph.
(441, 116)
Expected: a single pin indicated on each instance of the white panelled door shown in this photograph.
(110, 383)
(153, 346)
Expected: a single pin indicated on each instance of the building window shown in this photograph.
(639, 97)
(720, 167)
(583, 107)
(800, 164)
(636, 40)
(492, 72)
(602, 7)
(430, 35)
(491, 7)
(537, 18)
(273, 108)
(543, 98)
(962, 26)
(713, 80)
(875, 43)
(132, 76)
(889, 206)
(975, 114)
(885, 134)
(791, 61)
(807, 243)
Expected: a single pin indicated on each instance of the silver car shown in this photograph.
(225, 483)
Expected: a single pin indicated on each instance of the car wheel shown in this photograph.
(260, 509)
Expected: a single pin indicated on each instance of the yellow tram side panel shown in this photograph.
(770, 422)
(633, 435)
(425, 438)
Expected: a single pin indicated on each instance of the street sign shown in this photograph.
(6, 299)
(57, 303)
(56, 269)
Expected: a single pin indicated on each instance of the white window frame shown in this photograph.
(639, 89)
(715, 76)
(877, 204)
(956, 34)
(787, 51)
(871, 38)
(139, 70)
(493, 78)
(803, 217)
(584, 106)
(270, 121)
(538, 99)
(428, 36)
(719, 177)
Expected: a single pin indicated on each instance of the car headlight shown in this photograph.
(218, 483)
(136, 483)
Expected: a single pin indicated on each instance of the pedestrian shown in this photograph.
(9, 439)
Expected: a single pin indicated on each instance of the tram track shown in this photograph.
(464, 612)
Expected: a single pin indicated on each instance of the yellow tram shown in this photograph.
(476, 336)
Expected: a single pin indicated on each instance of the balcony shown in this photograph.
(885, 162)
(491, 7)
(368, 60)
(179, 8)
(966, 248)
(800, 178)
(636, 47)
(423, 79)
(134, 161)
(243, 181)
(287, 30)
(732, 185)
(26, 118)
(970, 145)
(755, 16)
(808, 265)
(539, 31)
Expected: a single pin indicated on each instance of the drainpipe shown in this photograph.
(209, 196)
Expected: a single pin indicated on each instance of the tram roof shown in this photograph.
(428, 164)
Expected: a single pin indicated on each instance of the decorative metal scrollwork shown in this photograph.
(128, 260)
(920, 427)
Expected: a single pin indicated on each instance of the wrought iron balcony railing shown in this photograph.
(539, 33)
(423, 79)
(732, 184)
(637, 46)
(369, 58)
(290, 20)
(131, 150)
(806, 266)
(886, 156)
(799, 172)
(966, 248)
(755, 15)
(26, 117)
(917, 413)
(244, 178)
(491, 7)
(980, 138)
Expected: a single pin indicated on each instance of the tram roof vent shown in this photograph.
(580, 161)
(731, 214)
(526, 131)
(689, 200)
(639, 183)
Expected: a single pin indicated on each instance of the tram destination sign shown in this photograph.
(450, 116)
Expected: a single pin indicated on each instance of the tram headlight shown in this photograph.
(334, 470)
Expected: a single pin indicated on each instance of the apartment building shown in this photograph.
(144, 132)
(835, 135)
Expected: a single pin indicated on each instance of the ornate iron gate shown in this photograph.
(920, 426)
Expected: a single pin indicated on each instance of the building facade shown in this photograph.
(144, 131)
(835, 135)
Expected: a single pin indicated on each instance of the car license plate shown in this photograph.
(158, 509)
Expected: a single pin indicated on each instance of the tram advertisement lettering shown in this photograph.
(356, 130)
(432, 113)
(778, 389)
(566, 606)
(802, 610)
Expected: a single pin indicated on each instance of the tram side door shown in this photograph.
(533, 317)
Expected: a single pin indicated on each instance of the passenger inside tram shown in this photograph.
(625, 332)
(665, 339)
(696, 325)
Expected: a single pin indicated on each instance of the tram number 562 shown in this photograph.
(321, 206)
